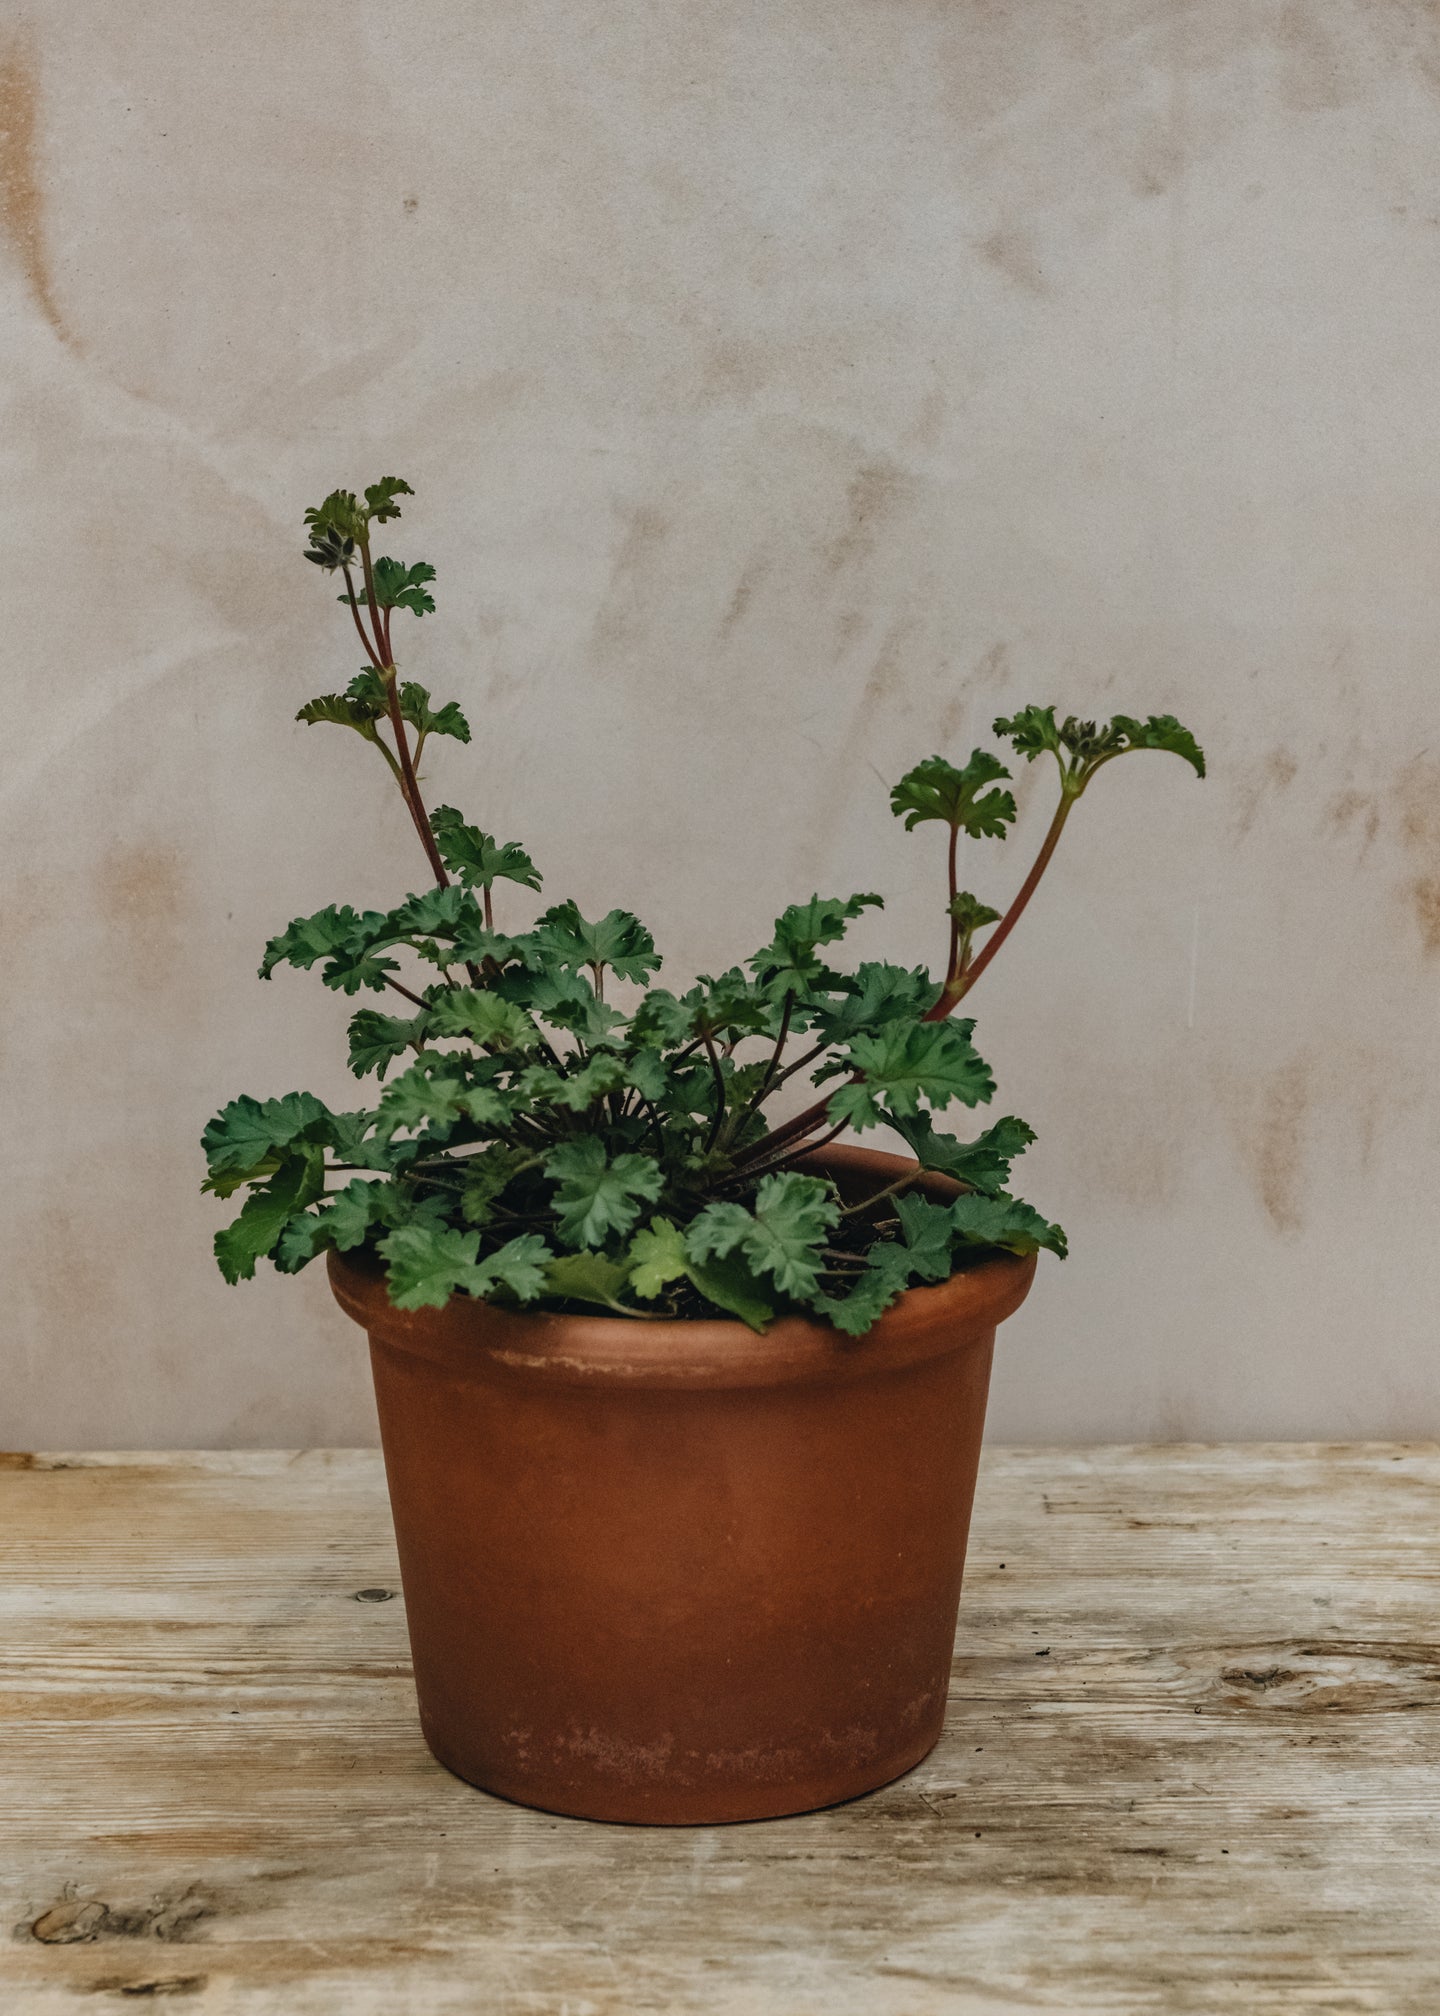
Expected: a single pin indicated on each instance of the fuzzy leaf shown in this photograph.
(574, 1090)
(970, 913)
(416, 709)
(434, 1094)
(870, 1297)
(336, 931)
(587, 1277)
(982, 1164)
(1080, 747)
(908, 1062)
(596, 1197)
(487, 1177)
(1161, 731)
(425, 1264)
(1004, 1221)
(656, 1258)
(344, 711)
(484, 1017)
(935, 789)
(926, 1233)
(248, 1130)
(400, 587)
(349, 1216)
(376, 1040)
(618, 941)
(267, 1212)
(782, 1237)
(788, 962)
(733, 1285)
(380, 498)
(475, 857)
(881, 994)
(661, 1021)
(1031, 732)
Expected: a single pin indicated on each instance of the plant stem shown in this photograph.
(372, 650)
(890, 1190)
(964, 982)
(952, 968)
(409, 786)
(406, 992)
(719, 1091)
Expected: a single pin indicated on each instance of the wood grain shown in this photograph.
(1192, 1763)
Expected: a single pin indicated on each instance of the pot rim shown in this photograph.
(706, 1352)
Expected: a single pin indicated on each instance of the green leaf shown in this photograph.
(733, 1285)
(970, 913)
(908, 1062)
(267, 1212)
(486, 1018)
(596, 1197)
(587, 1277)
(353, 1211)
(1081, 747)
(428, 1263)
(425, 1264)
(880, 994)
(522, 1265)
(435, 1093)
(475, 857)
(618, 941)
(247, 1131)
(357, 967)
(656, 1258)
(926, 1233)
(434, 913)
(782, 1237)
(401, 587)
(1004, 1221)
(982, 1164)
(376, 1040)
(1031, 731)
(788, 962)
(344, 711)
(871, 1296)
(380, 498)
(487, 1177)
(575, 1090)
(661, 1021)
(236, 1179)
(935, 789)
(335, 930)
(1161, 731)
(416, 709)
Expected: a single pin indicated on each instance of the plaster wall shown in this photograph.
(788, 389)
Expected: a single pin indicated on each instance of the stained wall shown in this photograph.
(788, 390)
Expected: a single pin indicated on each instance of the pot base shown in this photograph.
(661, 1807)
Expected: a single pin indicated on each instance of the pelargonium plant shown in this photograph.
(552, 1130)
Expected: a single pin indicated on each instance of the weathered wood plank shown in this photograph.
(1192, 1764)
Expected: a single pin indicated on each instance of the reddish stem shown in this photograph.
(966, 981)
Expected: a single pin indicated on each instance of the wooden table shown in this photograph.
(1190, 1765)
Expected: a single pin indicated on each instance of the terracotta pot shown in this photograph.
(675, 1572)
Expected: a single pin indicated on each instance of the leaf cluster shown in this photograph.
(546, 1125)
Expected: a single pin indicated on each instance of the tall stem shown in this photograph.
(966, 981)
(953, 965)
(409, 787)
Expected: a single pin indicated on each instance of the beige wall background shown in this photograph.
(788, 388)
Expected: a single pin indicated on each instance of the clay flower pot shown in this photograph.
(675, 1572)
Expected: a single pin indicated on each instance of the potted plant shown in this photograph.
(681, 1404)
